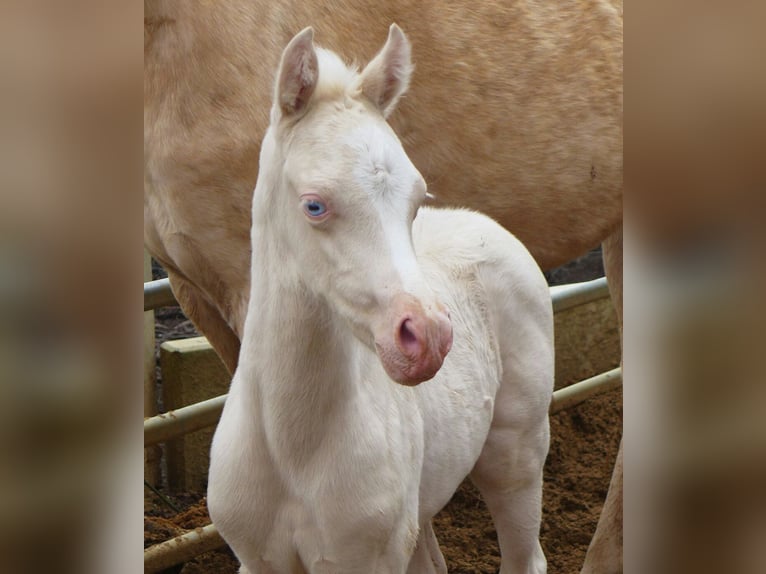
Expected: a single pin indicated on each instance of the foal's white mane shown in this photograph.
(335, 77)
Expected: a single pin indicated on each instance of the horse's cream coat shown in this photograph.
(321, 462)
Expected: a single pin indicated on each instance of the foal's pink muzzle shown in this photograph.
(414, 341)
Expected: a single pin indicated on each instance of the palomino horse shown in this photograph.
(320, 462)
(515, 110)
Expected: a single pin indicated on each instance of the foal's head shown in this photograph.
(340, 193)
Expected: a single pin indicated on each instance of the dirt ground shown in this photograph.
(584, 442)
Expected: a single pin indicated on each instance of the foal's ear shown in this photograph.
(387, 76)
(298, 74)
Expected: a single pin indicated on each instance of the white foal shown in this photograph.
(322, 462)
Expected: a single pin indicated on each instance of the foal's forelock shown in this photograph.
(336, 79)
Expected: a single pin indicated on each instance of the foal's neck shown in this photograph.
(297, 358)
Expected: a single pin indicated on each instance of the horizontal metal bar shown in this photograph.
(575, 394)
(179, 422)
(158, 294)
(182, 548)
(574, 294)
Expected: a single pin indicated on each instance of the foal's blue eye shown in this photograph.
(314, 208)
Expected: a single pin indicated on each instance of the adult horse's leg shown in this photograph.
(604, 554)
(612, 253)
(207, 319)
(605, 551)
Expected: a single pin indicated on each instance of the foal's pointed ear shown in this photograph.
(387, 76)
(298, 74)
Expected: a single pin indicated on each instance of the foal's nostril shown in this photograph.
(408, 340)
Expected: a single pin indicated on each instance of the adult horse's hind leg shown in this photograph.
(612, 253)
(605, 551)
(427, 558)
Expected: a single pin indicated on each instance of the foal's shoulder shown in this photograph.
(461, 238)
